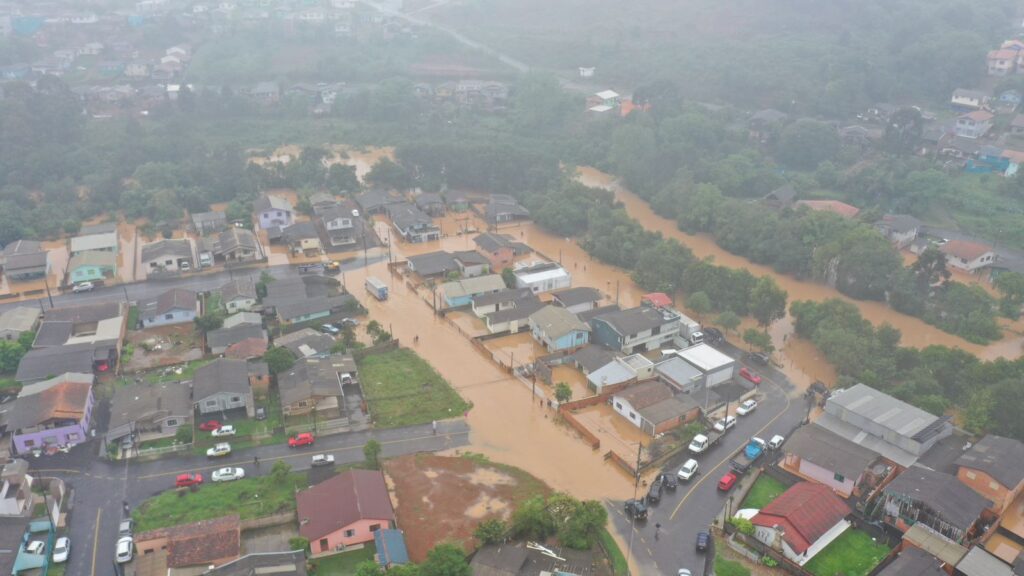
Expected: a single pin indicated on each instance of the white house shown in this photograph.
(273, 211)
(238, 294)
(966, 255)
(802, 521)
(542, 277)
(968, 99)
(174, 306)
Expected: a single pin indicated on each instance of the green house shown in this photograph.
(92, 265)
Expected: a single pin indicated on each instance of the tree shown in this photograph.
(1011, 286)
(209, 322)
(11, 353)
(279, 359)
(699, 303)
(563, 393)
(903, 131)
(807, 143)
(298, 543)
(930, 270)
(758, 339)
(279, 471)
(508, 276)
(371, 452)
(386, 173)
(532, 520)
(183, 435)
(728, 320)
(743, 525)
(341, 178)
(404, 570)
(582, 528)
(491, 531)
(445, 559)
(767, 301)
(369, 568)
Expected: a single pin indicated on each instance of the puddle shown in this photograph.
(486, 506)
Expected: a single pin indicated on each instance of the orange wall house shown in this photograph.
(994, 468)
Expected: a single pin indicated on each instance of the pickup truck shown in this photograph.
(747, 455)
(701, 442)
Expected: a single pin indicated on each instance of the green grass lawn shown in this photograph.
(854, 553)
(764, 490)
(133, 317)
(619, 566)
(403, 389)
(249, 498)
(159, 443)
(725, 567)
(249, 431)
(344, 563)
(56, 569)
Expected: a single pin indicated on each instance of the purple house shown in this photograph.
(52, 413)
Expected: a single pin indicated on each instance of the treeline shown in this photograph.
(985, 395)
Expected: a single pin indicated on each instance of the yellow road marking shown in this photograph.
(96, 539)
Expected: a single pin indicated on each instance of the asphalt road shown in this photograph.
(100, 487)
(693, 506)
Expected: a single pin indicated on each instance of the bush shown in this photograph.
(298, 543)
(183, 435)
(492, 531)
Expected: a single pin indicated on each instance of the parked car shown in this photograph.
(185, 267)
(684, 572)
(36, 547)
(702, 541)
(125, 549)
(127, 526)
(654, 492)
(330, 329)
(82, 287)
(776, 442)
(218, 450)
(713, 336)
(669, 480)
(725, 423)
(688, 470)
(636, 509)
(323, 460)
(350, 322)
(747, 407)
(183, 480)
(749, 374)
(225, 430)
(727, 481)
(261, 413)
(304, 439)
(61, 550)
(209, 426)
(228, 474)
(758, 358)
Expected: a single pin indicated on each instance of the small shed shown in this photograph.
(716, 366)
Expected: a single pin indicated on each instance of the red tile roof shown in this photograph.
(965, 249)
(341, 500)
(1002, 54)
(199, 543)
(659, 299)
(835, 206)
(979, 116)
(246, 349)
(805, 512)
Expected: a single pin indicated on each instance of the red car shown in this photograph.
(209, 426)
(750, 375)
(188, 479)
(304, 439)
(727, 481)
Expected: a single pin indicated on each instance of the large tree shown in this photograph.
(807, 143)
(767, 301)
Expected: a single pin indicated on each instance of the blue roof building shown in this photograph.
(391, 549)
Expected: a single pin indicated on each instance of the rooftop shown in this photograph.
(487, 284)
(224, 337)
(341, 500)
(830, 451)
(965, 249)
(173, 299)
(705, 358)
(57, 399)
(1000, 458)
(980, 562)
(103, 241)
(179, 249)
(93, 258)
(199, 543)
(19, 319)
(668, 409)
(539, 272)
(636, 320)
(806, 510)
(955, 503)
(882, 409)
(238, 288)
(501, 296)
(271, 202)
(934, 543)
(137, 401)
(221, 375)
(264, 563)
(574, 296)
(835, 206)
(556, 322)
(593, 356)
(914, 562)
(45, 362)
(314, 377)
(645, 394)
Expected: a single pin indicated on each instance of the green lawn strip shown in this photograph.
(619, 565)
(344, 563)
(9, 385)
(725, 567)
(764, 490)
(133, 317)
(249, 498)
(56, 569)
(403, 389)
(160, 443)
(213, 303)
(854, 553)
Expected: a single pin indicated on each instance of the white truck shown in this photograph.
(701, 442)
(689, 330)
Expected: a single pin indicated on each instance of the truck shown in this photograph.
(748, 455)
(701, 442)
(689, 330)
(376, 288)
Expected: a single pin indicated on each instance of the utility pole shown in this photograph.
(125, 290)
(48, 295)
(616, 292)
(632, 520)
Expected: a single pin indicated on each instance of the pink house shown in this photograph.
(344, 510)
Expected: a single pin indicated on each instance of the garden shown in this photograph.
(853, 553)
(402, 389)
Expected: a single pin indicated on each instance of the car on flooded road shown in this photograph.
(747, 407)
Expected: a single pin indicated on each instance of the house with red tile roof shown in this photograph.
(966, 255)
(1002, 62)
(205, 543)
(344, 510)
(834, 206)
(802, 521)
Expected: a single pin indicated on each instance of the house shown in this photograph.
(966, 255)
(277, 563)
(89, 323)
(1008, 100)
(243, 319)
(430, 203)
(102, 242)
(433, 264)
(266, 92)
(317, 384)
(900, 229)
(637, 329)
(967, 100)
(715, 366)
(1001, 62)
(980, 562)
(343, 227)
(499, 249)
(514, 317)
(765, 125)
(24, 260)
(376, 201)
(16, 489)
(188, 548)
(484, 304)
(92, 266)
(136, 69)
(306, 343)
(817, 455)
(305, 298)
(914, 562)
(167, 256)
(16, 321)
(247, 349)
(901, 433)
(238, 294)
(222, 385)
(502, 208)
(302, 238)
(558, 329)
(273, 211)
(344, 510)
(780, 198)
(591, 357)
(542, 277)
(456, 201)
(148, 411)
(174, 306)
(802, 521)
(935, 499)
(52, 413)
(209, 222)
(929, 541)
(680, 374)
(233, 245)
(221, 339)
(652, 407)
(42, 363)
(973, 124)
(616, 373)
(834, 206)
(994, 468)
(577, 300)
(412, 224)
(322, 202)
(461, 292)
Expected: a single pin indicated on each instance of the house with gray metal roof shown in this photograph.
(219, 340)
(937, 500)
(576, 300)
(103, 242)
(914, 562)
(679, 374)
(994, 468)
(24, 260)
(166, 256)
(637, 329)
(209, 222)
(222, 385)
(273, 211)
(15, 321)
(817, 455)
(558, 329)
(149, 411)
(175, 306)
(981, 562)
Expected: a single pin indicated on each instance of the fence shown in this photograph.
(159, 450)
(268, 521)
(627, 466)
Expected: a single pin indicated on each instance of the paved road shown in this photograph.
(693, 506)
(100, 487)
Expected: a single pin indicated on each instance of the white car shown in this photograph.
(725, 423)
(776, 442)
(125, 549)
(747, 407)
(323, 460)
(82, 287)
(688, 470)
(228, 474)
(222, 449)
(226, 430)
(61, 550)
(35, 547)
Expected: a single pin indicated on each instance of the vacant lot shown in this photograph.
(854, 553)
(764, 490)
(403, 389)
(440, 498)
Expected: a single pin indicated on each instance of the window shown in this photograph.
(374, 527)
(30, 443)
(971, 475)
(172, 422)
(74, 437)
(618, 406)
(993, 485)
(236, 398)
(168, 316)
(350, 533)
(211, 403)
(632, 415)
(839, 477)
(323, 544)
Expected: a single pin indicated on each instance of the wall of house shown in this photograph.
(165, 263)
(355, 533)
(816, 473)
(970, 266)
(604, 334)
(90, 273)
(820, 544)
(73, 434)
(173, 317)
(223, 401)
(458, 300)
(474, 270)
(546, 285)
(500, 259)
(307, 317)
(239, 305)
(570, 340)
(626, 410)
(986, 486)
(271, 218)
(662, 427)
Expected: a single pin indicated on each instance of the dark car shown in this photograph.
(636, 509)
(654, 493)
(713, 336)
(758, 358)
(703, 538)
(669, 480)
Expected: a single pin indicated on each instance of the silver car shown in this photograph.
(125, 549)
(228, 474)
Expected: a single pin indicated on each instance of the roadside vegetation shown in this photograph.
(402, 389)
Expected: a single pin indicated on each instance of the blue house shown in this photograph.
(175, 306)
(461, 292)
(558, 329)
(391, 550)
(91, 266)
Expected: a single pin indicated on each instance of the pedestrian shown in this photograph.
(434, 426)
(657, 530)
(256, 460)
